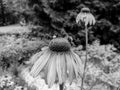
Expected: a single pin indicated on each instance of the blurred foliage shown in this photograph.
(12, 11)
(10, 82)
(15, 51)
(103, 67)
(58, 17)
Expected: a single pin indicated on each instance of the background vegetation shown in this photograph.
(58, 17)
(45, 18)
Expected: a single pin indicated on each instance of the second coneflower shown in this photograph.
(58, 63)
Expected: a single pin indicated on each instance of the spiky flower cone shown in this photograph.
(59, 45)
(58, 63)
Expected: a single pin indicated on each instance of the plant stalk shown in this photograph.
(61, 86)
(86, 58)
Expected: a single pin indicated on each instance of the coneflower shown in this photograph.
(58, 63)
(88, 19)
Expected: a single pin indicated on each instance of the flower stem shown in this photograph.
(86, 59)
(61, 86)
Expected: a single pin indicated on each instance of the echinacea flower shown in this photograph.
(86, 17)
(58, 62)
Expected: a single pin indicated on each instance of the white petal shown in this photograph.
(90, 19)
(70, 69)
(93, 19)
(40, 63)
(58, 67)
(79, 63)
(35, 57)
(51, 77)
(78, 18)
(63, 67)
(87, 21)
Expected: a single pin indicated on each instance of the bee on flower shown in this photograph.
(57, 63)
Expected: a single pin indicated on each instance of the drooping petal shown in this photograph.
(58, 68)
(79, 63)
(86, 17)
(90, 19)
(70, 70)
(75, 66)
(51, 76)
(83, 17)
(35, 57)
(40, 63)
(86, 20)
(93, 20)
(63, 67)
(45, 70)
(78, 18)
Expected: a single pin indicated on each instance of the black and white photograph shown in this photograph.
(59, 44)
